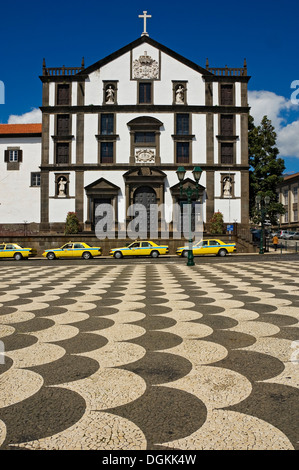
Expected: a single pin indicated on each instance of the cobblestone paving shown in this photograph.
(128, 357)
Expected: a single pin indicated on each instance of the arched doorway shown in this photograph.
(146, 196)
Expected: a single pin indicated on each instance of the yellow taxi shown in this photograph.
(208, 247)
(140, 248)
(16, 251)
(73, 250)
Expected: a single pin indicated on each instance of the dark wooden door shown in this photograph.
(98, 218)
(146, 196)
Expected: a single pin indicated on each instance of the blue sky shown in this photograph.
(265, 32)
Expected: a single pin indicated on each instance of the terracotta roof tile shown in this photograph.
(20, 129)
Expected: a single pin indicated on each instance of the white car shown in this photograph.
(288, 235)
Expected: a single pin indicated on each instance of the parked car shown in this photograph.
(296, 236)
(140, 248)
(73, 250)
(287, 235)
(16, 251)
(208, 247)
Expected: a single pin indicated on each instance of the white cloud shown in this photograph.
(275, 107)
(32, 117)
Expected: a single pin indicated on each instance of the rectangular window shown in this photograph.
(226, 96)
(63, 94)
(35, 179)
(63, 124)
(13, 155)
(295, 193)
(145, 93)
(227, 153)
(286, 197)
(62, 152)
(145, 137)
(295, 214)
(227, 124)
(106, 152)
(182, 152)
(107, 124)
(182, 124)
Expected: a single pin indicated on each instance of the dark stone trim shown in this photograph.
(80, 139)
(12, 136)
(227, 138)
(126, 167)
(183, 137)
(107, 137)
(62, 138)
(62, 78)
(140, 108)
(226, 79)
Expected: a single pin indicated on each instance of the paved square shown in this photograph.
(149, 356)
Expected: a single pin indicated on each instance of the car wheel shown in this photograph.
(18, 256)
(118, 255)
(51, 255)
(86, 255)
(184, 254)
(222, 252)
(155, 254)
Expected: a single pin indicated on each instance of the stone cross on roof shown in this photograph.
(144, 16)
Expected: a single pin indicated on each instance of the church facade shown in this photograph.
(116, 132)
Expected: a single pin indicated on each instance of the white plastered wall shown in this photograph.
(19, 201)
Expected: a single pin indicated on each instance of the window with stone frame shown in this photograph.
(107, 124)
(145, 93)
(63, 94)
(12, 155)
(182, 124)
(62, 152)
(63, 124)
(227, 124)
(226, 95)
(227, 153)
(35, 179)
(107, 150)
(182, 152)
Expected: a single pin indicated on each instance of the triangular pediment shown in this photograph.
(144, 40)
(175, 189)
(101, 185)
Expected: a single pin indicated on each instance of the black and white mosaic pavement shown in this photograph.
(149, 356)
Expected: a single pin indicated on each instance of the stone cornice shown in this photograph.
(92, 109)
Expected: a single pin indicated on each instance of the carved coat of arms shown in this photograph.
(145, 67)
(145, 156)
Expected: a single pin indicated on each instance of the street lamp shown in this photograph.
(262, 206)
(189, 191)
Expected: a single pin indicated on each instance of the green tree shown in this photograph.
(72, 224)
(266, 168)
(217, 224)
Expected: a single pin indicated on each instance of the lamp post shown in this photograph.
(262, 206)
(189, 191)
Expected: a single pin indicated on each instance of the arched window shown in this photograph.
(145, 140)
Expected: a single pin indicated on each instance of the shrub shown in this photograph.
(217, 224)
(72, 224)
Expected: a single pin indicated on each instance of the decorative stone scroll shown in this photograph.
(145, 156)
(145, 67)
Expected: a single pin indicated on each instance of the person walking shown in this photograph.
(275, 242)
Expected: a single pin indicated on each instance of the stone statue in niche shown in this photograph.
(227, 187)
(110, 94)
(62, 187)
(179, 95)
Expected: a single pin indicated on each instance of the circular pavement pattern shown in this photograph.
(146, 357)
